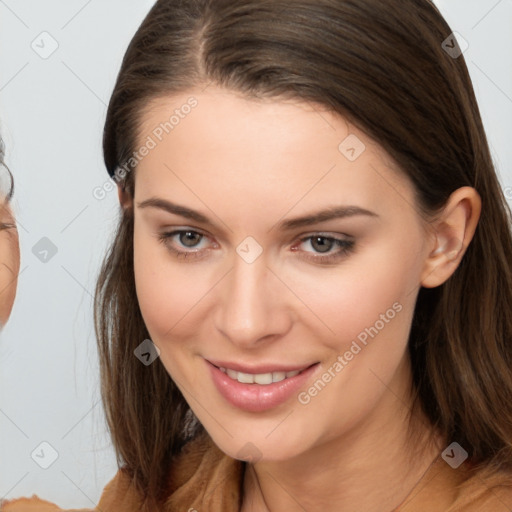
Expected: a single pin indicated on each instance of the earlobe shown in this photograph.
(442, 261)
(453, 229)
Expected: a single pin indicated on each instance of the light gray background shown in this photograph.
(52, 112)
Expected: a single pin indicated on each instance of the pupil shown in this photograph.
(321, 244)
(189, 238)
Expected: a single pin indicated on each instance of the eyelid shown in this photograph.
(338, 237)
(326, 234)
(345, 245)
(165, 237)
(177, 231)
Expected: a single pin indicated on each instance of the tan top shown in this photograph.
(205, 479)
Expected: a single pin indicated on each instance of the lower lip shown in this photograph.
(258, 397)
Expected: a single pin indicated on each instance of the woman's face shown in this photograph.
(9, 261)
(273, 237)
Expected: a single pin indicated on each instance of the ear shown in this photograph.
(453, 230)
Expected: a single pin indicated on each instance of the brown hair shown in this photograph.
(383, 67)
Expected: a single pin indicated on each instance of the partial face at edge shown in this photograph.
(223, 275)
(9, 261)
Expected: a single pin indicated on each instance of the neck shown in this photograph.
(373, 467)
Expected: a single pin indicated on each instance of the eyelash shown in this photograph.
(165, 238)
(345, 247)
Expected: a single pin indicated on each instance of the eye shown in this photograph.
(325, 249)
(321, 243)
(189, 239)
(185, 243)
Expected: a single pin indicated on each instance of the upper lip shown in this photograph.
(259, 368)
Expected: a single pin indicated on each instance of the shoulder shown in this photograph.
(462, 489)
(33, 504)
(201, 476)
(482, 493)
(119, 494)
(28, 505)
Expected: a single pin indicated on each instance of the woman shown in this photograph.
(9, 243)
(9, 270)
(300, 309)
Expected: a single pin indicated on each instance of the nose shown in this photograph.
(253, 305)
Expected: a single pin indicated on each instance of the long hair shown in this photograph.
(384, 66)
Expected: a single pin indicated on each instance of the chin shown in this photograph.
(259, 446)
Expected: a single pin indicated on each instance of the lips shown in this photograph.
(257, 389)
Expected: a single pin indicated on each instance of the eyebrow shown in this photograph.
(176, 209)
(335, 212)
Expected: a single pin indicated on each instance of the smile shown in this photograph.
(258, 378)
(261, 388)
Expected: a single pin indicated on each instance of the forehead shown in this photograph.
(256, 152)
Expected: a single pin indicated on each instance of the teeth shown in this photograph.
(278, 376)
(258, 378)
(232, 373)
(263, 378)
(245, 378)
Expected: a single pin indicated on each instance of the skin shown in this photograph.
(10, 262)
(247, 166)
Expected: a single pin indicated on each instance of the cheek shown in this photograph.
(9, 269)
(169, 293)
(372, 291)
(369, 305)
(158, 293)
